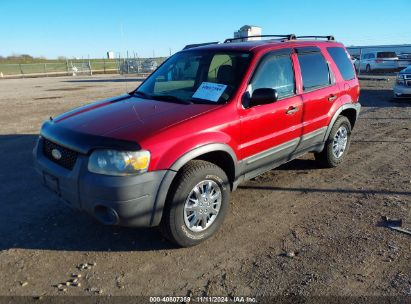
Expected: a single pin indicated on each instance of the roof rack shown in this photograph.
(285, 37)
(190, 46)
(330, 38)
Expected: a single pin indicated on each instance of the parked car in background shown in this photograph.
(149, 66)
(377, 61)
(130, 66)
(404, 60)
(402, 88)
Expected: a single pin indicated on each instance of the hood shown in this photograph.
(128, 117)
(407, 70)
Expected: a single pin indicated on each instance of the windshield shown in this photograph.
(197, 76)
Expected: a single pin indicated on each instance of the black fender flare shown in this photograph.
(177, 165)
(355, 106)
(215, 147)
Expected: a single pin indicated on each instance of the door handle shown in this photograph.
(291, 110)
(332, 97)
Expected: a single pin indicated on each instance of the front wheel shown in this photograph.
(197, 204)
(337, 143)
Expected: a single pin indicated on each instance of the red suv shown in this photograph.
(170, 152)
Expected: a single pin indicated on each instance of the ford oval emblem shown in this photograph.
(56, 154)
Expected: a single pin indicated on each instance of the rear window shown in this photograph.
(314, 70)
(342, 61)
(386, 55)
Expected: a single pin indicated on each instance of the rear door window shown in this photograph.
(341, 59)
(314, 70)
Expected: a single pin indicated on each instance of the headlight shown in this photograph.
(400, 77)
(112, 162)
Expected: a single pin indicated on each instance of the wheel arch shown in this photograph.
(351, 111)
(220, 154)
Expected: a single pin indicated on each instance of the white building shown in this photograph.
(247, 31)
(110, 55)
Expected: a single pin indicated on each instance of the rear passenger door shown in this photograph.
(270, 132)
(320, 91)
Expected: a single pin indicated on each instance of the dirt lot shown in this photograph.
(329, 218)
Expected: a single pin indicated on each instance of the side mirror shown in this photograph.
(263, 96)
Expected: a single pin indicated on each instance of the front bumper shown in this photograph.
(402, 91)
(113, 200)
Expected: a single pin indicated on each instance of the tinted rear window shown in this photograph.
(386, 55)
(342, 61)
(314, 70)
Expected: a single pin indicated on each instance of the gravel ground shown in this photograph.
(296, 230)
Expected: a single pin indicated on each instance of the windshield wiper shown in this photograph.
(169, 98)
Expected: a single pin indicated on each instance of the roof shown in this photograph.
(256, 45)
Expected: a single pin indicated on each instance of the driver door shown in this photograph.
(270, 133)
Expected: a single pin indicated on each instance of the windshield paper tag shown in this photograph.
(210, 91)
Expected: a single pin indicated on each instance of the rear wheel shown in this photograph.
(197, 204)
(337, 144)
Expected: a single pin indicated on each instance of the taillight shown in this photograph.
(378, 61)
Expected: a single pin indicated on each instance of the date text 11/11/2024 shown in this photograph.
(186, 299)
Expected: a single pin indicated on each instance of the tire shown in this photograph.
(368, 69)
(332, 156)
(193, 183)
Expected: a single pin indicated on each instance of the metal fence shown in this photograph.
(79, 67)
(57, 68)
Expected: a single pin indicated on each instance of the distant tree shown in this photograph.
(20, 58)
(26, 57)
(62, 58)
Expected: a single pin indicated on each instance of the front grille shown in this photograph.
(68, 157)
(407, 76)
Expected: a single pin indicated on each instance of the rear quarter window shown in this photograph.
(341, 59)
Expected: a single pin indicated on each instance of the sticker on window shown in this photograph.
(210, 91)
